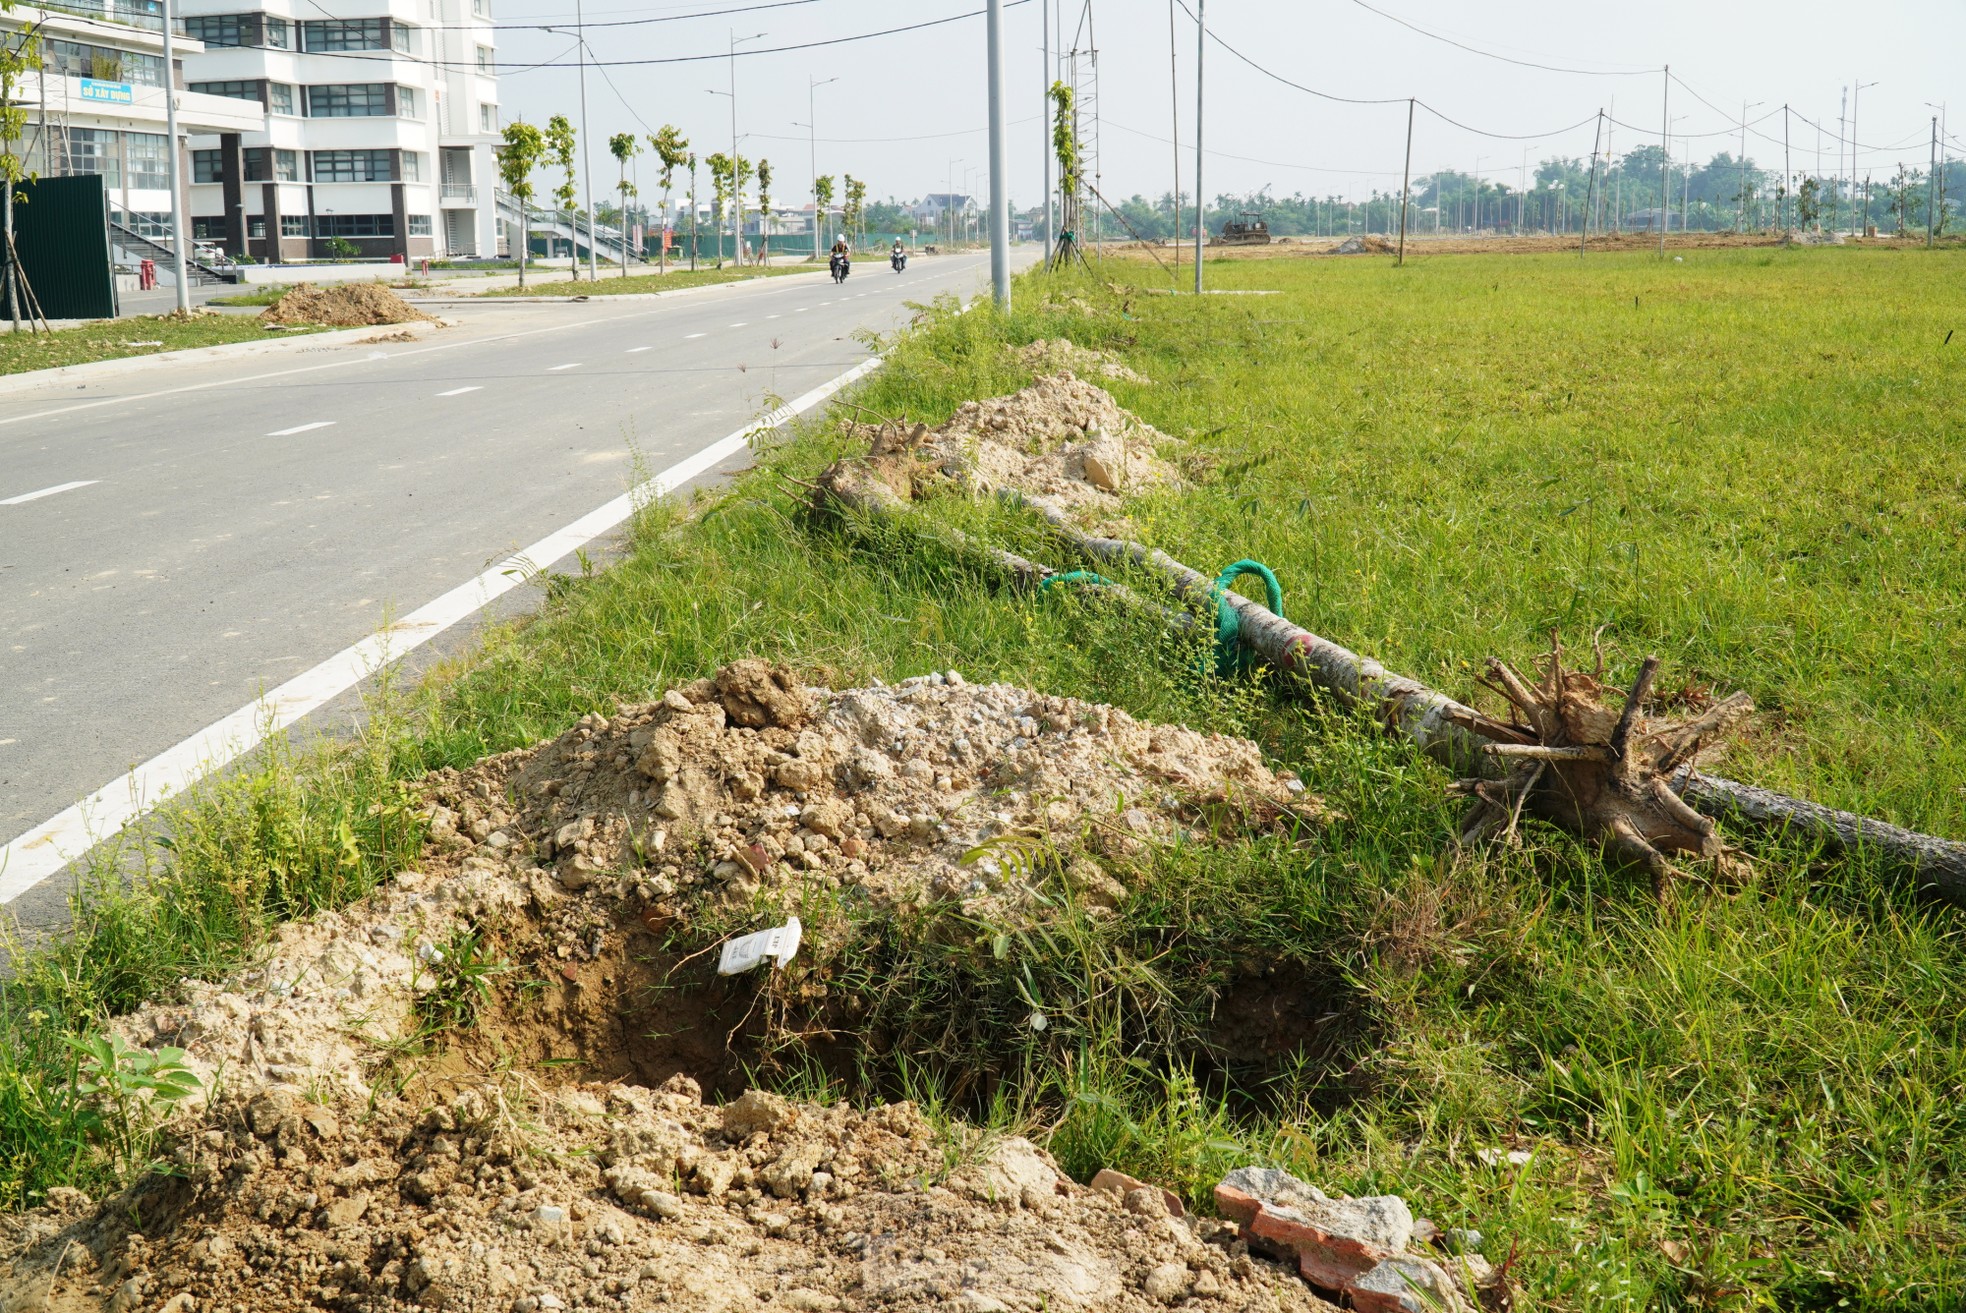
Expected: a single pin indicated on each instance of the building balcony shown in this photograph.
(457, 196)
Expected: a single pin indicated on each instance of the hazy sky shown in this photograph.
(906, 105)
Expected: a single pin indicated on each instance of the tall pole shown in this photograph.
(1174, 110)
(999, 184)
(1842, 143)
(1931, 189)
(1665, 165)
(177, 177)
(1788, 174)
(1405, 183)
(1201, 205)
(1044, 129)
(736, 190)
(1590, 195)
(587, 151)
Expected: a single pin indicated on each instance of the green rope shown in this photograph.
(1231, 657)
(1073, 577)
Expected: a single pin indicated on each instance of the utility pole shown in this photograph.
(1788, 174)
(999, 184)
(1405, 182)
(736, 189)
(1931, 187)
(1856, 99)
(1174, 108)
(1665, 165)
(177, 181)
(1201, 204)
(1842, 142)
(1590, 195)
(587, 153)
(1044, 128)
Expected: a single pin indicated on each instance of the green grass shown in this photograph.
(1746, 1099)
(611, 283)
(113, 339)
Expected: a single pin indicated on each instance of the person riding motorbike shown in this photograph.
(898, 257)
(841, 259)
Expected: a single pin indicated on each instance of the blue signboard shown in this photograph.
(116, 93)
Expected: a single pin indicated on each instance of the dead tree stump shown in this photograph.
(1594, 769)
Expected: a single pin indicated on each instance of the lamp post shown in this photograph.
(177, 174)
(1856, 99)
(1740, 221)
(949, 199)
(736, 191)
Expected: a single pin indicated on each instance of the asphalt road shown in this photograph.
(175, 542)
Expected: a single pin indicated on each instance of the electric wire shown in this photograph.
(1506, 59)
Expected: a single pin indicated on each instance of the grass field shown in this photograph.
(1751, 463)
(112, 339)
(611, 283)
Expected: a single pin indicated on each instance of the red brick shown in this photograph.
(1238, 1207)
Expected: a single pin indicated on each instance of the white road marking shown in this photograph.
(688, 336)
(799, 310)
(48, 492)
(302, 428)
(633, 349)
(772, 316)
(557, 368)
(739, 325)
(458, 392)
(59, 840)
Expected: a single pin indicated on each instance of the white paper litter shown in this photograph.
(780, 943)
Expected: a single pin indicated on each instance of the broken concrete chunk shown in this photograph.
(756, 694)
(753, 1112)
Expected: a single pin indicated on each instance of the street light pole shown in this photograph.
(177, 177)
(812, 127)
(1201, 197)
(999, 185)
(587, 152)
(1856, 99)
(1044, 126)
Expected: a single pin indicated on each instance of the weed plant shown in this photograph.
(1749, 463)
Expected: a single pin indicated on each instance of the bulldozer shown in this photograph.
(1246, 229)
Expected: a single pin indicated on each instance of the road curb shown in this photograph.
(95, 369)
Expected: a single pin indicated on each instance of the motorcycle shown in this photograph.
(899, 260)
(841, 268)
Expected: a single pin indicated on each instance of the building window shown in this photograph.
(486, 64)
(148, 158)
(355, 225)
(419, 225)
(230, 90)
(354, 165)
(410, 166)
(343, 34)
(481, 8)
(208, 228)
(256, 227)
(76, 60)
(286, 165)
(348, 101)
(399, 38)
(93, 150)
(207, 166)
(406, 102)
(280, 98)
(488, 118)
(279, 33)
(220, 29)
(293, 225)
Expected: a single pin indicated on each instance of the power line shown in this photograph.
(1250, 159)
(1489, 54)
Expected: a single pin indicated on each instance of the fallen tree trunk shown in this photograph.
(1445, 729)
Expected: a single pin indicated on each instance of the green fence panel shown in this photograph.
(61, 229)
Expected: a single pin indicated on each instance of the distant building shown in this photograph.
(380, 120)
(928, 212)
(1648, 221)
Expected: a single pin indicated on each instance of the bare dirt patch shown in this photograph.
(1058, 355)
(346, 305)
(1061, 438)
(380, 1133)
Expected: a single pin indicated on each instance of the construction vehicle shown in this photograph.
(1246, 229)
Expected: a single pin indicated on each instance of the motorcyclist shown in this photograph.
(841, 255)
(899, 255)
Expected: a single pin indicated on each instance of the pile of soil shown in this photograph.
(327, 1173)
(345, 305)
(1058, 355)
(730, 792)
(1060, 438)
(616, 1197)
(1370, 244)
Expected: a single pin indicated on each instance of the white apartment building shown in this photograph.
(379, 132)
(96, 104)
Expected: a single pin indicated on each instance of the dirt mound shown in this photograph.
(388, 1130)
(1057, 355)
(1061, 438)
(1805, 237)
(617, 1197)
(1370, 244)
(347, 305)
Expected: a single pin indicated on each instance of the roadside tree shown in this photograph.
(624, 146)
(524, 148)
(672, 148)
(764, 211)
(560, 142)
